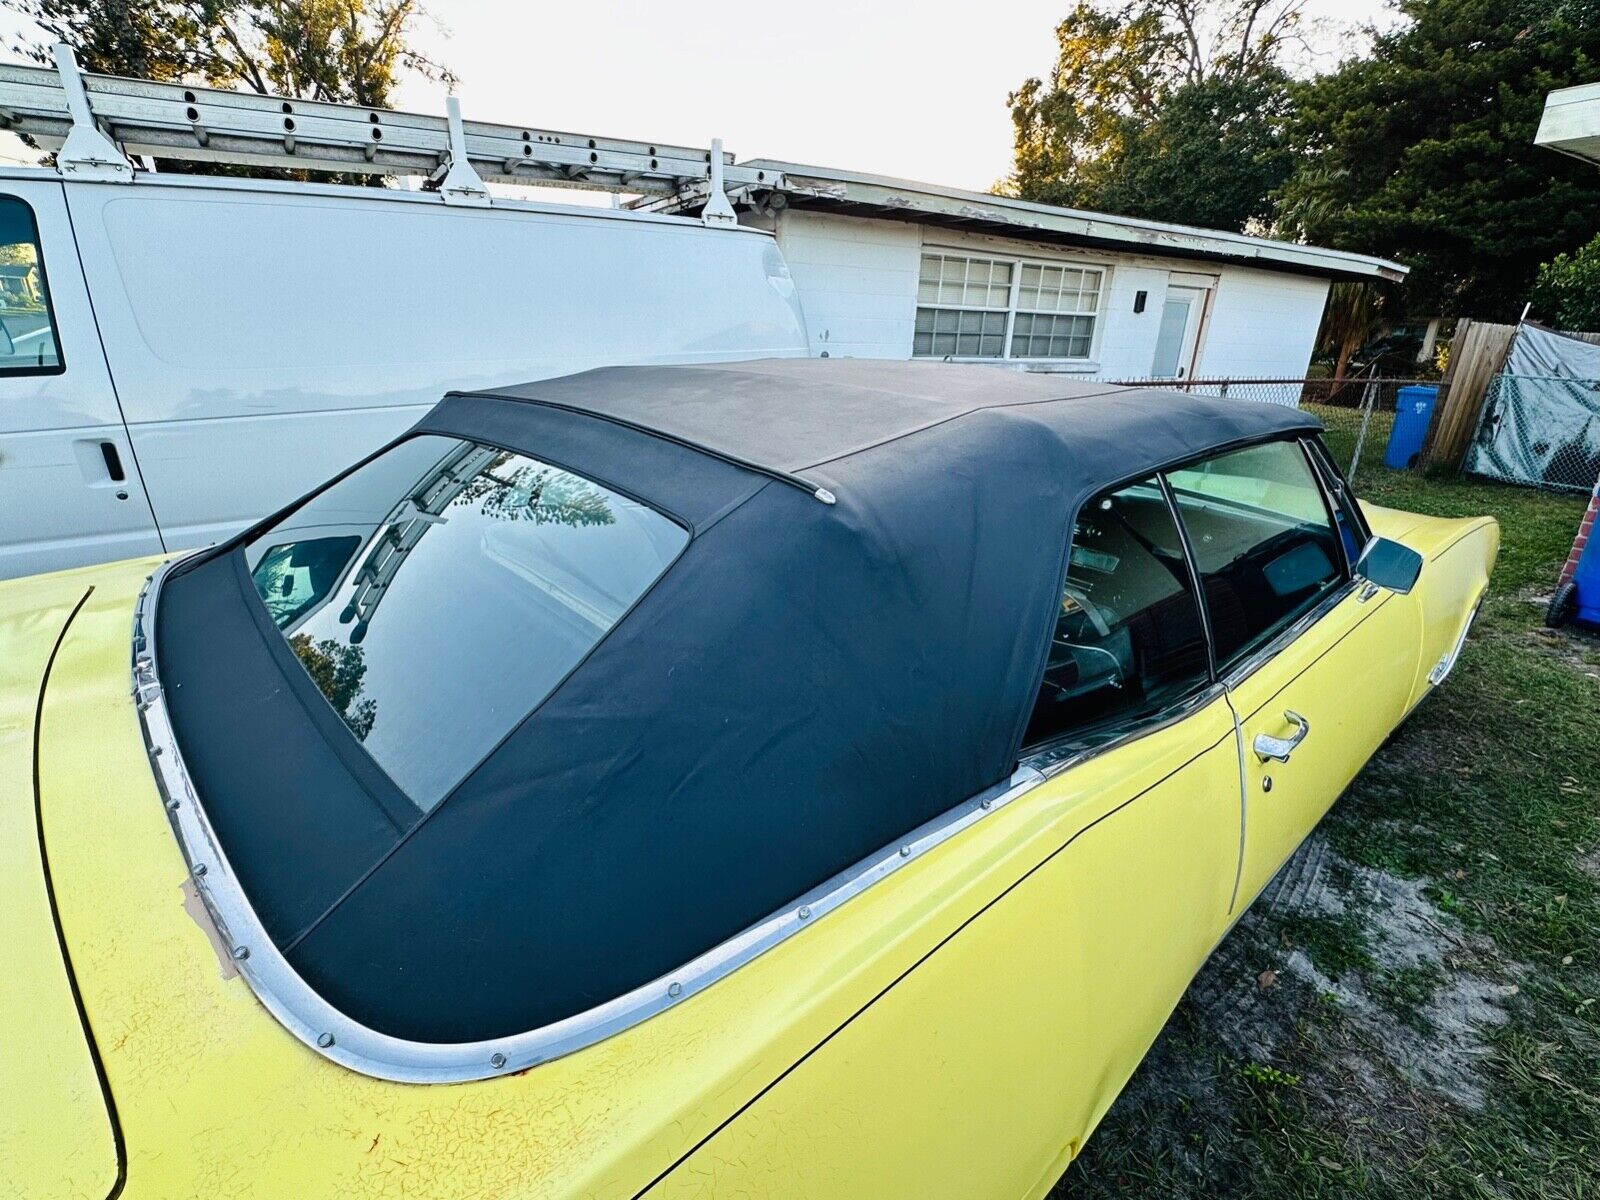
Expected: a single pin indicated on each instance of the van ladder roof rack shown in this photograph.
(93, 122)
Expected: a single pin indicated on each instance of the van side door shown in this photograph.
(1318, 664)
(70, 490)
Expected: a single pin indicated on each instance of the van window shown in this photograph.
(1263, 542)
(27, 328)
(1128, 639)
(438, 593)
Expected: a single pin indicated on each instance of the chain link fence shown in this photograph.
(1358, 415)
(1539, 431)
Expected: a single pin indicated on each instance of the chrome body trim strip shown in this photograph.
(1244, 806)
(1442, 668)
(329, 1032)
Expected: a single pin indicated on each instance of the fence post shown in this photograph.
(1367, 402)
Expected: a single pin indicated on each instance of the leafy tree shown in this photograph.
(543, 495)
(1566, 292)
(338, 671)
(1423, 151)
(349, 51)
(1171, 110)
(1348, 321)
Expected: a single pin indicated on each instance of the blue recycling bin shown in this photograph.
(1413, 409)
(1587, 581)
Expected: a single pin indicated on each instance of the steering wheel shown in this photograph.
(1109, 669)
(1096, 618)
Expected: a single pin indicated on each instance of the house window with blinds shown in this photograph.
(998, 308)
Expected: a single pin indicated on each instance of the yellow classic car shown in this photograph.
(784, 779)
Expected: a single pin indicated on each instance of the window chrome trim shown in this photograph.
(1267, 651)
(1052, 758)
(322, 1027)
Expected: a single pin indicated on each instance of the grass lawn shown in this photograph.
(1412, 1008)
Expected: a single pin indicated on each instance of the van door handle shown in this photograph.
(108, 451)
(1278, 749)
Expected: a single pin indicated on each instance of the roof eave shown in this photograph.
(1571, 123)
(892, 199)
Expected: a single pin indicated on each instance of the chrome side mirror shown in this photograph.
(1390, 565)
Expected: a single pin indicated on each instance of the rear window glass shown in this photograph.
(438, 593)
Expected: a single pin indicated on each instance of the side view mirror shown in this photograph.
(1390, 565)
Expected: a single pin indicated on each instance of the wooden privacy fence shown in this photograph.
(1477, 352)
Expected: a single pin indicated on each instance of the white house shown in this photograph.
(889, 268)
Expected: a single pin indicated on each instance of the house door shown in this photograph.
(1181, 315)
(70, 491)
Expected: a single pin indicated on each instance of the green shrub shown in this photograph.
(1567, 291)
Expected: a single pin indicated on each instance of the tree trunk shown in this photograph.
(1346, 349)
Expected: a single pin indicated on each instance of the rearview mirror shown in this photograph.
(1390, 565)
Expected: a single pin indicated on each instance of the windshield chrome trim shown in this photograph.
(304, 1013)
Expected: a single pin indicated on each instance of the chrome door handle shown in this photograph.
(1277, 748)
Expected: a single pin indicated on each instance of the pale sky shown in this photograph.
(912, 89)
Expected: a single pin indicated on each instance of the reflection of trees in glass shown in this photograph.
(538, 493)
(337, 670)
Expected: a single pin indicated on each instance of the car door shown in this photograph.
(70, 491)
(983, 1069)
(1316, 662)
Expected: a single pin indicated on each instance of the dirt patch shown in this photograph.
(1426, 993)
(1399, 1034)
(1431, 994)
(1575, 647)
(1589, 862)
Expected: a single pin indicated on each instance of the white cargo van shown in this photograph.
(180, 355)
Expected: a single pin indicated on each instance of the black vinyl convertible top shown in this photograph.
(805, 684)
(787, 414)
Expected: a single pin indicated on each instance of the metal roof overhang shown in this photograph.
(1571, 122)
(885, 198)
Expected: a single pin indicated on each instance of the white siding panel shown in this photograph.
(1127, 338)
(857, 281)
(1263, 325)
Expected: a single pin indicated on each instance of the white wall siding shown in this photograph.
(1263, 325)
(857, 281)
(1127, 338)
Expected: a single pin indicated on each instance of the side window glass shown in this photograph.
(27, 331)
(1263, 542)
(1128, 639)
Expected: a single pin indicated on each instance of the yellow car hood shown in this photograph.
(57, 1129)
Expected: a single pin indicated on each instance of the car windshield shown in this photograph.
(437, 594)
